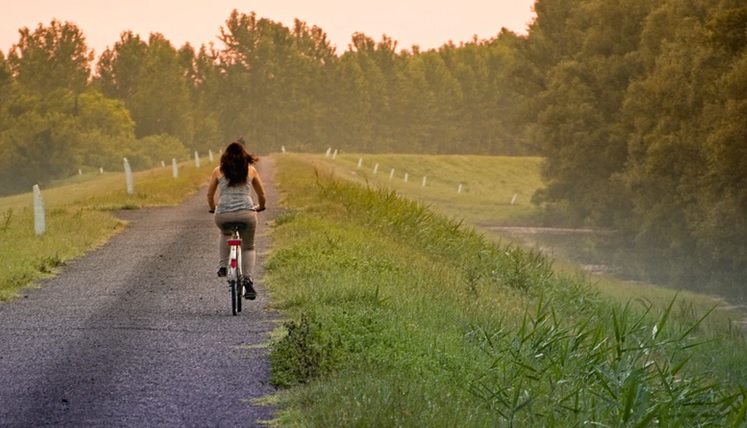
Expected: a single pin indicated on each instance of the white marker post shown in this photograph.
(360, 163)
(334, 155)
(513, 200)
(407, 176)
(329, 150)
(174, 169)
(423, 181)
(459, 189)
(376, 169)
(128, 177)
(210, 155)
(282, 149)
(197, 159)
(40, 225)
(391, 174)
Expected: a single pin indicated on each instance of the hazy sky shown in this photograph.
(427, 23)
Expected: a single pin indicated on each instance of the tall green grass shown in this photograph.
(397, 316)
(79, 216)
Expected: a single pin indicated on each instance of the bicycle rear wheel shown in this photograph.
(240, 281)
(235, 286)
(235, 289)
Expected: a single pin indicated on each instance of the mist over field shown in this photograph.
(636, 108)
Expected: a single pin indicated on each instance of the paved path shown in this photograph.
(139, 333)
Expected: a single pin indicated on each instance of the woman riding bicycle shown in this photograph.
(236, 177)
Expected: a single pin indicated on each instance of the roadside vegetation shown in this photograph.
(400, 316)
(79, 216)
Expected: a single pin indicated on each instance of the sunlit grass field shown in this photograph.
(477, 189)
(79, 217)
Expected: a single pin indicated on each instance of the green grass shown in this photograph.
(79, 218)
(399, 316)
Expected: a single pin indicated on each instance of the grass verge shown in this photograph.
(78, 218)
(398, 316)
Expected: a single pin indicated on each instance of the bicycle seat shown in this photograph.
(234, 226)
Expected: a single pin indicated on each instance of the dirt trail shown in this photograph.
(140, 333)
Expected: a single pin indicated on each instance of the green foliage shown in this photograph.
(616, 368)
(300, 356)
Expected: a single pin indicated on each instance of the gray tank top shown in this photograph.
(233, 198)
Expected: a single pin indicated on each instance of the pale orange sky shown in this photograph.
(427, 23)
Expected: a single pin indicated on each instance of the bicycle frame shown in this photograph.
(234, 256)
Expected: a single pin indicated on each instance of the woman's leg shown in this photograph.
(248, 255)
(220, 220)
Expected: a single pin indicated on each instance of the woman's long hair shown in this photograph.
(234, 163)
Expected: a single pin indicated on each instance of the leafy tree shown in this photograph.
(152, 80)
(119, 68)
(204, 82)
(50, 58)
(579, 109)
(161, 102)
(39, 142)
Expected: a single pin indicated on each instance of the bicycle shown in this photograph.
(234, 273)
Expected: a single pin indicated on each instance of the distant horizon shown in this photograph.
(428, 25)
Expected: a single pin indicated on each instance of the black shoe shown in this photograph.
(249, 292)
(222, 271)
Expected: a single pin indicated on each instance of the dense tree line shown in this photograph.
(638, 108)
(277, 86)
(641, 112)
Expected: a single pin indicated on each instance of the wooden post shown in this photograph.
(174, 169)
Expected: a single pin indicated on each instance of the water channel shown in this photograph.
(604, 252)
